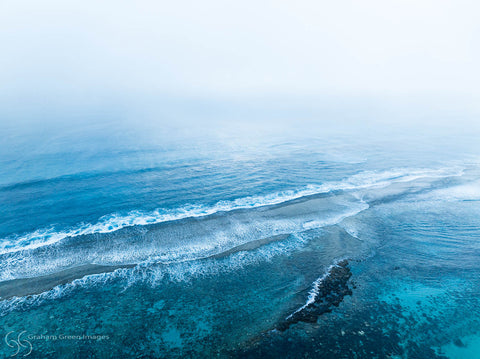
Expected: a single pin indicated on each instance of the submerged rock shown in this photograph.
(328, 291)
(458, 342)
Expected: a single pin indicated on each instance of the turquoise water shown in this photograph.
(338, 242)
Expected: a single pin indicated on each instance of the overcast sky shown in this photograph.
(220, 48)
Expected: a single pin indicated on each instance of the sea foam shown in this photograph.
(116, 221)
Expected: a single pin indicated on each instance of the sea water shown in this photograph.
(338, 242)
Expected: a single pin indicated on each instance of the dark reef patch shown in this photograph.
(329, 292)
(376, 331)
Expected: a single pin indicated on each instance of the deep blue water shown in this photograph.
(239, 241)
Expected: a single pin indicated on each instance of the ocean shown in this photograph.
(311, 239)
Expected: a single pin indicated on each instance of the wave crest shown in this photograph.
(116, 221)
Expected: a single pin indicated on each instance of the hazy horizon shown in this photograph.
(121, 59)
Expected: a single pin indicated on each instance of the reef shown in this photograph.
(328, 292)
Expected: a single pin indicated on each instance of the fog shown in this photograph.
(166, 61)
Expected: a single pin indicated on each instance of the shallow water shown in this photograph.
(333, 244)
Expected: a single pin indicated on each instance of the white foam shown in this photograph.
(337, 219)
(114, 222)
(7, 305)
(217, 239)
(154, 271)
(351, 229)
(465, 192)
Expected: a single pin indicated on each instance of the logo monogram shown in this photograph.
(19, 343)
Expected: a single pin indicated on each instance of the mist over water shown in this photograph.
(186, 226)
(239, 180)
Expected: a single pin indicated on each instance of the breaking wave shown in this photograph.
(116, 221)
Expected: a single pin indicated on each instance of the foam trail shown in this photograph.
(206, 244)
(469, 191)
(7, 305)
(154, 272)
(114, 222)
